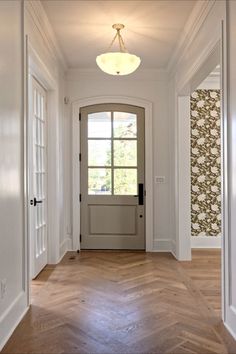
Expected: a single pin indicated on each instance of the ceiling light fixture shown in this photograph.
(118, 63)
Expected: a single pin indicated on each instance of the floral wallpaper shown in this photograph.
(205, 163)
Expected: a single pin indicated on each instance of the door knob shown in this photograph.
(34, 201)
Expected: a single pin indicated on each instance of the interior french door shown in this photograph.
(37, 176)
(112, 177)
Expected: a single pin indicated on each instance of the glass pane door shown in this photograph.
(40, 171)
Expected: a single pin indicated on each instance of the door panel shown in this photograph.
(112, 167)
(38, 178)
(106, 220)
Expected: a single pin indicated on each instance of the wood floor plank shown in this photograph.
(125, 303)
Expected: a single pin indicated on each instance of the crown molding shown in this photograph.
(35, 10)
(192, 27)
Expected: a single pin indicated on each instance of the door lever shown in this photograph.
(140, 194)
(34, 201)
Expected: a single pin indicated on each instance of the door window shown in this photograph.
(112, 153)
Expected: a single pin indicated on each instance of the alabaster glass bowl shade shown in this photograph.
(118, 63)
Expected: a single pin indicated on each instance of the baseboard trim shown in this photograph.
(162, 245)
(206, 241)
(233, 334)
(10, 319)
(173, 249)
(65, 246)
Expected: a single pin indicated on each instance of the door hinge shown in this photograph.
(80, 197)
(80, 238)
(79, 116)
(80, 156)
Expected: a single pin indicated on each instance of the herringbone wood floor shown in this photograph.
(125, 302)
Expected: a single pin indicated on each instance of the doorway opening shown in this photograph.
(206, 189)
(112, 177)
(205, 163)
(201, 150)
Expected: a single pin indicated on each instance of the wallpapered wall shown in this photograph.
(205, 163)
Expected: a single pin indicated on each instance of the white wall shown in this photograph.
(148, 85)
(210, 83)
(12, 241)
(43, 46)
(13, 205)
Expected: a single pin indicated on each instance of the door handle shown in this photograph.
(34, 201)
(140, 193)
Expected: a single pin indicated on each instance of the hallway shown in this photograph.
(125, 302)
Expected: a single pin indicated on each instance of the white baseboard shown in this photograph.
(162, 245)
(173, 249)
(233, 333)
(11, 317)
(65, 246)
(206, 241)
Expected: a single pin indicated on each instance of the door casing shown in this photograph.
(76, 105)
(214, 55)
(134, 216)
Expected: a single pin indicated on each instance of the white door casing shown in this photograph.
(229, 242)
(112, 177)
(182, 134)
(76, 106)
(183, 181)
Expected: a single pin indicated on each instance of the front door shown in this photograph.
(37, 176)
(112, 177)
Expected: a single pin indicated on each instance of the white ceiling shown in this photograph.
(152, 28)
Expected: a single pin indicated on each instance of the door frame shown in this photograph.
(36, 67)
(147, 105)
(214, 54)
(212, 58)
